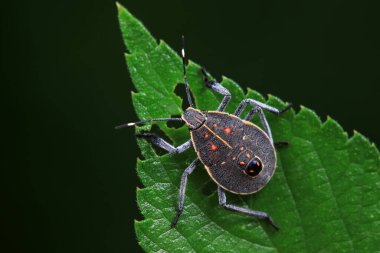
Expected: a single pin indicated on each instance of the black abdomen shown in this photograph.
(225, 144)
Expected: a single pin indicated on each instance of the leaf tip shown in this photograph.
(118, 6)
(122, 10)
(225, 78)
(135, 35)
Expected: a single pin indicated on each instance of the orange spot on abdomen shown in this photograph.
(213, 147)
(227, 130)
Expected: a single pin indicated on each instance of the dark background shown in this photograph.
(68, 179)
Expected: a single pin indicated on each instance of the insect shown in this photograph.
(239, 156)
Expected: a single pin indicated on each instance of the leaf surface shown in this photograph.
(325, 194)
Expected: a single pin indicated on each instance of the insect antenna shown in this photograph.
(139, 123)
(184, 73)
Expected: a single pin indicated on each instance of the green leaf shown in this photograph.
(325, 194)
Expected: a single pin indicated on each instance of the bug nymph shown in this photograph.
(239, 156)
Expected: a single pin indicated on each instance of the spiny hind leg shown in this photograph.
(238, 209)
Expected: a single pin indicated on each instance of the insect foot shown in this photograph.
(176, 218)
(269, 219)
(287, 107)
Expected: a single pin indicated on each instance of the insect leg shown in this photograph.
(218, 88)
(263, 119)
(258, 108)
(265, 123)
(256, 214)
(256, 104)
(163, 144)
(182, 190)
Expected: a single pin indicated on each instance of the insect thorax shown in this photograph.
(194, 118)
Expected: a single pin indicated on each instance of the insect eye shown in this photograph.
(254, 167)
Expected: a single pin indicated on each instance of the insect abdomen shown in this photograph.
(226, 145)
